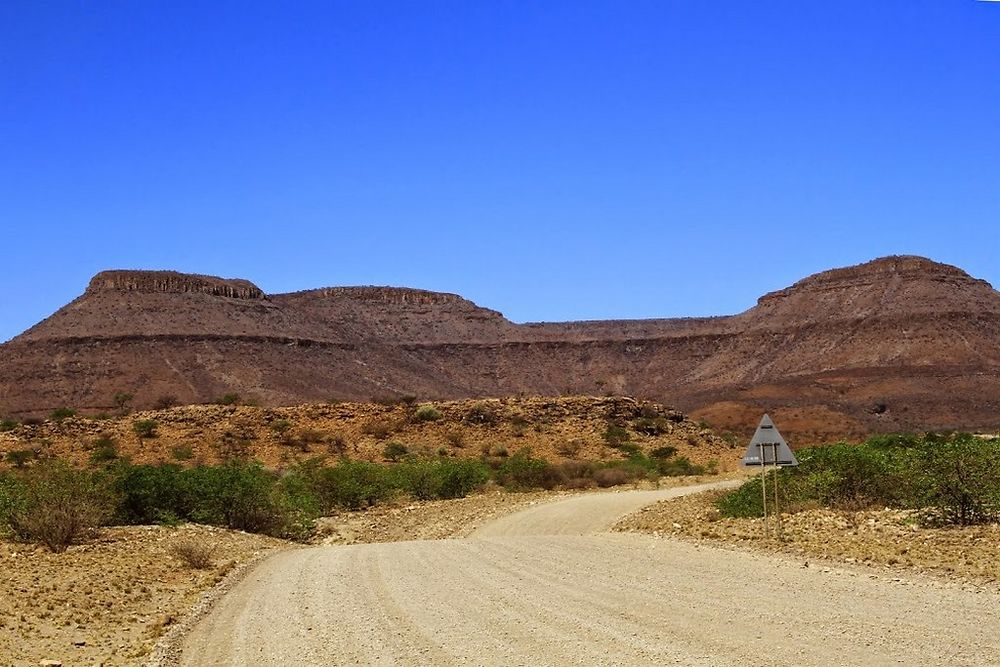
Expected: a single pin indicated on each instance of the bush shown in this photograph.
(245, 496)
(151, 494)
(196, 554)
(104, 453)
(395, 451)
(615, 435)
(145, 428)
(166, 402)
(679, 467)
(19, 458)
(280, 426)
(569, 448)
(238, 495)
(122, 400)
(380, 428)
(10, 500)
(955, 478)
(651, 426)
(442, 478)
(228, 399)
(55, 504)
(427, 413)
(182, 453)
(60, 414)
(606, 477)
(352, 485)
(959, 480)
(521, 472)
(7, 425)
(482, 414)
(663, 452)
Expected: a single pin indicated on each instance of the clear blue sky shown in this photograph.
(552, 160)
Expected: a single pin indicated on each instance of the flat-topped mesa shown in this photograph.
(396, 296)
(173, 282)
(897, 286)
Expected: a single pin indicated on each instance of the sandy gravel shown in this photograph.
(882, 538)
(107, 601)
(563, 598)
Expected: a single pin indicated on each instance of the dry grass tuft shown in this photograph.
(196, 554)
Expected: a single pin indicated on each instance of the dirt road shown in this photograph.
(566, 594)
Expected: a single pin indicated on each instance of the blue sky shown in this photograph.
(552, 160)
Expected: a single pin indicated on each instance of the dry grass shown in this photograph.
(118, 591)
(196, 554)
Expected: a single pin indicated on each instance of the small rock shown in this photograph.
(79, 642)
(49, 663)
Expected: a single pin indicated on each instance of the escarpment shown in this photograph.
(172, 282)
(899, 343)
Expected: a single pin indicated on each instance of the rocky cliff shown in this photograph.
(899, 343)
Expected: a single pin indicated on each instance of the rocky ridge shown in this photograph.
(899, 343)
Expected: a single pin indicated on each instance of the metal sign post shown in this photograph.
(767, 447)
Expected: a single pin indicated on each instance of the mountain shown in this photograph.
(898, 343)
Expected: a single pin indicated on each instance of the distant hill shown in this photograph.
(899, 343)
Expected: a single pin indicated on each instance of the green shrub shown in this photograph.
(104, 453)
(441, 478)
(427, 413)
(521, 472)
(678, 467)
(956, 478)
(122, 400)
(651, 425)
(152, 494)
(60, 414)
(663, 452)
(959, 479)
(352, 485)
(237, 494)
(228, 399)
(182, 453)
(245, 496)
(166, 402)
(11, 499)
(20, 457)
(56, 504)
(145, 428)
(395, 451)
(280, 426)
(615, 435)
(629, 449)
(7, 425)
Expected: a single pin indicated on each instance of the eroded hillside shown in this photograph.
(896, 344)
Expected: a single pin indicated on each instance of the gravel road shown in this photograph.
(558, 591)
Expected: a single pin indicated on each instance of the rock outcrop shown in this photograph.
(172, 282)
(899, 343)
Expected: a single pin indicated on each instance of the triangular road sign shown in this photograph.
(767, 447)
